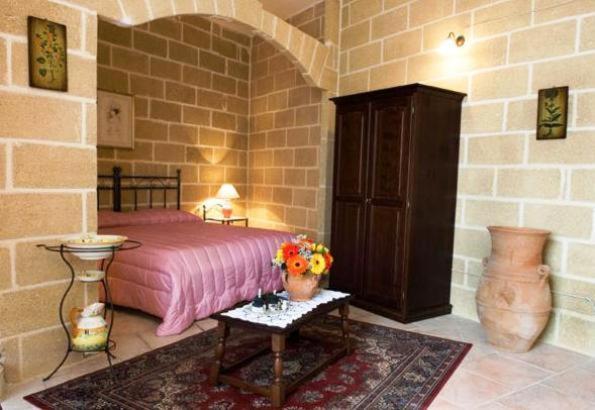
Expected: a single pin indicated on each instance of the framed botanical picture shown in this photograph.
(47, 54)
(115, 120)
(552, 113)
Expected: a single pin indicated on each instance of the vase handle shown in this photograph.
(544, 272)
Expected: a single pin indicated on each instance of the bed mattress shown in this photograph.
(187, 269)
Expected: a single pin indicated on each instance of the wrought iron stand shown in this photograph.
(63, 250)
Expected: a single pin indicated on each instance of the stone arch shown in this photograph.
(308, 54)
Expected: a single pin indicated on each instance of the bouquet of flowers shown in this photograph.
(302, 256)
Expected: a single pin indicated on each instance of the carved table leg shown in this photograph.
(344, 312)
(278, 387)
(222, 333)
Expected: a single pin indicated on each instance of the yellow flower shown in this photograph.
(320, 248)
(279, 256)
(317, 264)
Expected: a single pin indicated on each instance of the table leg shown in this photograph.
(222, 333)
(344, 312)
(278, 387)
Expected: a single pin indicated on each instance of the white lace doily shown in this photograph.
(284, 318)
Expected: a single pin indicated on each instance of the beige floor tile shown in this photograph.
(129, 346)
(578, 382)
(440, 404)
(15, 393)
(550, 357)
(589, 365)
(544, 398)
(132, 322)
(206, 324)
(510, 372)
(484, 376)
(154, 341)
(479, 350)
(491, 406)
(468, 389)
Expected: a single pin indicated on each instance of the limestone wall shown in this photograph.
(285, 137)
(47, 183)
(190, 81)
(513, 49)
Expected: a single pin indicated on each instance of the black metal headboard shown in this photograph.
(117, 183)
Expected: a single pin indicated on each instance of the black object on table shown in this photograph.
(62, 249)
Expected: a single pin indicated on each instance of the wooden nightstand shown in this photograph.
(228, 221)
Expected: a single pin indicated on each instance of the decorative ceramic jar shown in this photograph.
(89, 328)
(300, 288)
(513, 299)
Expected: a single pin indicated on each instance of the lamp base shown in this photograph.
(226, 212)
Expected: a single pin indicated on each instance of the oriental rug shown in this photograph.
(388, 369)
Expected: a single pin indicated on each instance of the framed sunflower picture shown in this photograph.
(47, 54)
(552, 113)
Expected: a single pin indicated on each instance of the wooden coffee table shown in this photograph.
(277, 391)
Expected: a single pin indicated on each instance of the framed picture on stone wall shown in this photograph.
(47, 54)
(552, 113)
(115, 120)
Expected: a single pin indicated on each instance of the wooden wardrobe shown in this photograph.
(394, 199)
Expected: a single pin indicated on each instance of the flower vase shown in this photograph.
(514, 300)
(300, 288)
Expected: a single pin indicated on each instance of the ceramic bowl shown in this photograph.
(103, 244)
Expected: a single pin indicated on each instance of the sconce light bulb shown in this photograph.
(451, 43)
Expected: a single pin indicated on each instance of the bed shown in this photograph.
(186, 269)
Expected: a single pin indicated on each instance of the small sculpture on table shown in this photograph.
(269, 303)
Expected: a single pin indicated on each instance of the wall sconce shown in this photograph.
(452, 42)
(459, 40)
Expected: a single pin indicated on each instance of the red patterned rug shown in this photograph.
(389, 369)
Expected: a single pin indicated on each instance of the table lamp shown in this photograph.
(227, 192)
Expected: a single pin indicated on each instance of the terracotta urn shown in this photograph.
(300, 288)
(513, 299)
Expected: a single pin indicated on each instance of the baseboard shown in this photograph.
(404, 317)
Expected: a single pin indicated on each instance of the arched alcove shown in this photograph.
(309, 54)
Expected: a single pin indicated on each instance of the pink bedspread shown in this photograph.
(186, 271)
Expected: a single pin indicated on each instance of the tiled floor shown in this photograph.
(544, 378)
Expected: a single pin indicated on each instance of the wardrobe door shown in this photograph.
(386, 201)
(349, 194)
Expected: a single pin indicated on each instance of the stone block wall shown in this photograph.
(507, 177)
(47, 183)
(188, 116)
(285, 136)
(189, 77)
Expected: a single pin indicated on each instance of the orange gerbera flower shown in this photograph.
(296, 265)
(329, 260)
(290, 250)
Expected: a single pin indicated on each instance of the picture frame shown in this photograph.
(115, 120)
(48, 54)
(552, 113)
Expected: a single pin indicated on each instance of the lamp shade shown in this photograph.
(227, 191)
